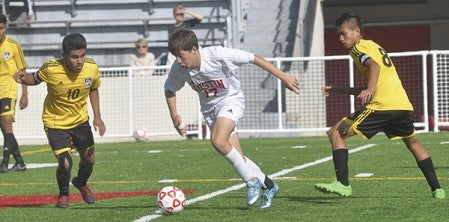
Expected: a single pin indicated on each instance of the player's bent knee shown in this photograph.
(65, 160)
(88, 155)
(218, 143)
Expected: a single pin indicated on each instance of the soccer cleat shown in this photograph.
(62, 202)
(439, 194)
(87, 195)
(334, 187)
(3, 168)
(254, 185)
(269, 194)
(18, 167)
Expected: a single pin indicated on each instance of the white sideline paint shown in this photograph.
(364, 175)
(38, 165)
(158, 214)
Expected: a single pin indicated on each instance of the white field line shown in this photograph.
(37, 165)
(158, 214)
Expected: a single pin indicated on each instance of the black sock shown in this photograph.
(340, 158)
(8, 147)
(84, 172)
(428, 170)
(11, 143)
(268, 182)
(6, 154)
(63, 174)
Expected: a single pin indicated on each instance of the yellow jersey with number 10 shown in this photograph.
(389, 93)
(65, 105)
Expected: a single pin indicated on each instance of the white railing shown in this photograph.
(129, 101)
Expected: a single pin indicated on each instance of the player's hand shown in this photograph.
(99, 126)
(19, 76)
(366, 95)
(177, 123)
(326, 90)
(182, 129)
(291, 83)
(23, 103)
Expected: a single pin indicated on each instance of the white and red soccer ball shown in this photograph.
(141, 134)
(171, 200)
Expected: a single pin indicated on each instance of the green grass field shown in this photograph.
(397, 190)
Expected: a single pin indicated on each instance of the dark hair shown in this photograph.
(353, 21)
(182, 40)
(3, 19)
(74, 41)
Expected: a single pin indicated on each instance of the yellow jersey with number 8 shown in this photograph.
(389, 93)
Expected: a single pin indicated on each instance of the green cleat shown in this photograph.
(334, 187)
(439, 194)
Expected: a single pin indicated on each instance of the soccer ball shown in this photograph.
(141, 134)
(171, 200)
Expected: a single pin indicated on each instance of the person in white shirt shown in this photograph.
(211, 71)
(142, 58)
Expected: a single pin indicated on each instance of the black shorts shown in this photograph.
(7, 106)
(80, 138)
(396, 124)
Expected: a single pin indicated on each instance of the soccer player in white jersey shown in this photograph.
(211, 72)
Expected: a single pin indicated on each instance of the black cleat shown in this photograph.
(18, 167)
(87, 195)
(3, 168)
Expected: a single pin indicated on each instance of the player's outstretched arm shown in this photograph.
(24, 78)
(337, 90)
(289, 81)
(170, 97)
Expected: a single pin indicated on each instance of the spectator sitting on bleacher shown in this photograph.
(178, 14)
(142, 58)
(19, 10)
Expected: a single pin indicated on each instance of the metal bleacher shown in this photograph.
(112, 26)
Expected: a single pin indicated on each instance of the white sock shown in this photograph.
(239, 164)
(256, 170)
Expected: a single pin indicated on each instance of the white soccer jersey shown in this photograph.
(216, 82)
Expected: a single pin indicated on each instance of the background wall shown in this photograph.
(398, 14)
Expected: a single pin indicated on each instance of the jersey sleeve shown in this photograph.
(19, 58)
(235, 58)
(361, 52)
(96, 80)
(174, 80)
(41, 75)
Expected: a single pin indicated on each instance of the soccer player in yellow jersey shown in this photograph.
(70, 81)
(386, 108)
(11, 61)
